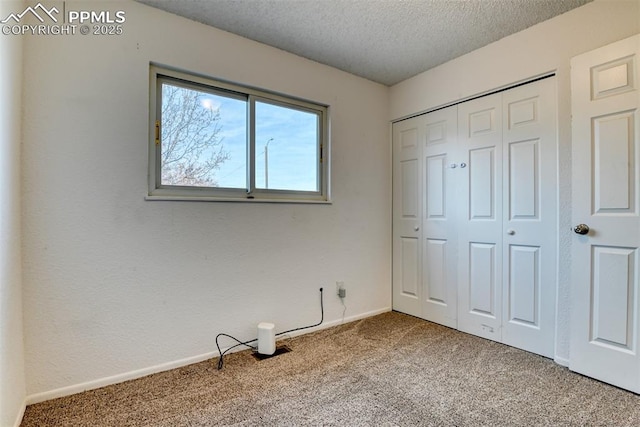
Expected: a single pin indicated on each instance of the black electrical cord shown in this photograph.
(246, 343)
(220, 361)
(310, 326)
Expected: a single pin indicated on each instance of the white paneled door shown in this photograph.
(424, 242)
(605, 294)
(480, 217)
(439, 242)
(476, 248)
(407, 210)
(508, 220)
(529, 217)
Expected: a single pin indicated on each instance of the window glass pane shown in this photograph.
(220, 140)
(204, 139)
(286, 148)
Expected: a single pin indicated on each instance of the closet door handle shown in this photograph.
(416, 228)
(511, 232)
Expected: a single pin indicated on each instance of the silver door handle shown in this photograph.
(581, 229)
(416, 228)
(511, 232)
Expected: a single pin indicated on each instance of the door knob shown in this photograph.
(416, 228)
(581, 229)
(511, 232)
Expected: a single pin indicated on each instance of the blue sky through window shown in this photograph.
(292, 137)
(233, 123)
(218, 140)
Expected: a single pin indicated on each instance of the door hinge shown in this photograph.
(157, 132)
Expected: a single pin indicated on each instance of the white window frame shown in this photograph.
(157, 191)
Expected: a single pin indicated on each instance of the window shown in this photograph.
(212, 140)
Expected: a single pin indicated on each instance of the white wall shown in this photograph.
(12, 379)
(545, 47)
(114, 284)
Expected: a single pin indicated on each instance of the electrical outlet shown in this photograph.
(341, 290)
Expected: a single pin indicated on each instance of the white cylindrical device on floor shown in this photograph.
(266, 338)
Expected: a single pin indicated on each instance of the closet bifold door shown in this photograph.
(439, 231)
(475, 216)
(407, 140)
(480, 217)
(508, 217)
(424, 216)
(529, 194)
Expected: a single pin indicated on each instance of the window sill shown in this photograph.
(234, 200)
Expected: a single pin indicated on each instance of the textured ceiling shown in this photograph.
(386, 41)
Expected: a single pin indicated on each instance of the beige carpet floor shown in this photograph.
(387, 370)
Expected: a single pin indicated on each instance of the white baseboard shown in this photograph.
(561, 361)
(20, 415)
(115, 379)
(132, 375)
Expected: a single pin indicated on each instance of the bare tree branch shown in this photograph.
(191, 148)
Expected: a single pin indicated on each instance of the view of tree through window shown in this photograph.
(194, 125)
(219, 140)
